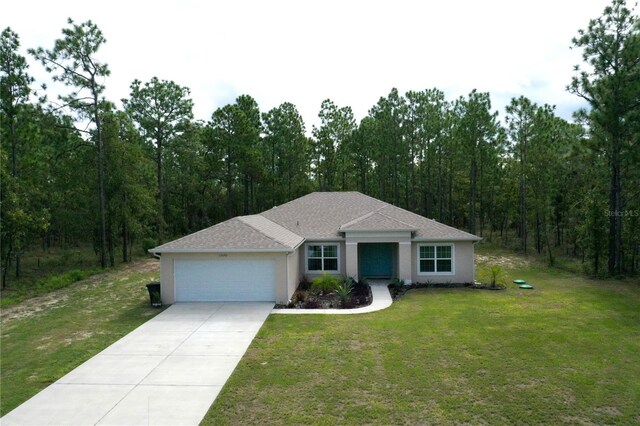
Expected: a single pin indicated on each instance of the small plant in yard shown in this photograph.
(304, 284)
(325, 284)
(344, 291)
(396, 286)
(494, 276)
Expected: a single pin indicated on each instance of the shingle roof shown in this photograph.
(272, 230)
(233, 234)
(316, 216)
(325, 215)
(319, 215)
(376, 221)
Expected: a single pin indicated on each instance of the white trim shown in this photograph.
(453, 259)
(321, 243)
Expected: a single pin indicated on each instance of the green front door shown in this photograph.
(376, 260)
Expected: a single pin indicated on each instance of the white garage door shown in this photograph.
(225, 280)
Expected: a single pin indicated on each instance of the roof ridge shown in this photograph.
(261, 231)
(358, 219)
(364, 216)
(394, 219)
(241, 219)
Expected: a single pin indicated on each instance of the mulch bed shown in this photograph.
(397, 292)
(306, 299)
(480, 286)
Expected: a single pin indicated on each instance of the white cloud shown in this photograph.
(304, 52)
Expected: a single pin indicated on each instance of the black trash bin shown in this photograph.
(154, 294)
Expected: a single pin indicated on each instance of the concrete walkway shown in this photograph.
(168, 371)
(381, 300)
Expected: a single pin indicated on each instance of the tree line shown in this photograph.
(78, 170)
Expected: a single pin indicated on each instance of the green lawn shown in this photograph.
(567, 352)
(45, 337)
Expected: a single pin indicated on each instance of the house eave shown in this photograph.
(226, 250)
(336, 238)
(381, 231)
(423, 239)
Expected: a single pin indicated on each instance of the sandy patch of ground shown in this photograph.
(57, 298)
(504, 261)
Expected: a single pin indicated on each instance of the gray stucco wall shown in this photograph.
(464, 268)
(303, 259)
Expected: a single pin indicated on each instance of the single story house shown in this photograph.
(262, 257)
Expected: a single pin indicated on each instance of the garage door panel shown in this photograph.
(224, 280)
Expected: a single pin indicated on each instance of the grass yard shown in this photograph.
(567, 352)
(45, 271)
(45, 337)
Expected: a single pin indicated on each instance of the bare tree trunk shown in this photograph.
(101, 177)
(549, 251)
(229, 186)
(450, 203)
(523, 214)
(538, 234)
(615, 215)
(472, 193)
(440, 188)
(160, 195)
(110, 242)
(6, 261)
(124, 233)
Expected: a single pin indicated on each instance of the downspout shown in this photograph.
(287, 272)
(474, 260)
(293, 250)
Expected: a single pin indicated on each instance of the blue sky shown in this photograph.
(353, 52)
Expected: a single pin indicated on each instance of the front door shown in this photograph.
(376, 260)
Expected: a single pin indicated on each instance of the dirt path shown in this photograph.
(56, 298)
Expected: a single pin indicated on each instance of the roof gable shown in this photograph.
(232, 235)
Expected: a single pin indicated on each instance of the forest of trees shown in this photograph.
(77, 170)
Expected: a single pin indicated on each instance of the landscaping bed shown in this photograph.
(330, 294)
(398, 289)
(492, 277)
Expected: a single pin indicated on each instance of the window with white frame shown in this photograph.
(322, 258)
(435, 259)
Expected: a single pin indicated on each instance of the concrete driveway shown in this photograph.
(166, 372)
